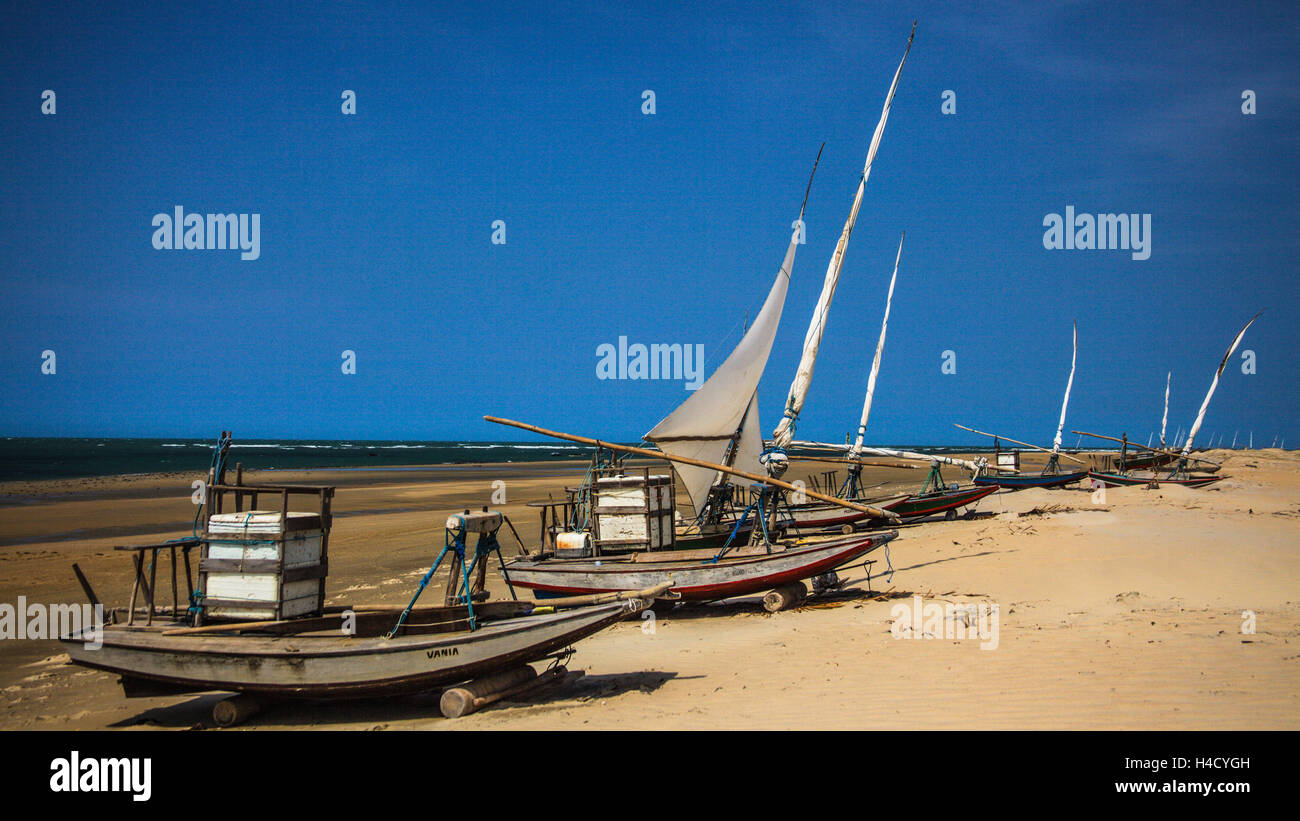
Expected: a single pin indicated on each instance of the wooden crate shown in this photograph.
(633, 512)
(263, 564)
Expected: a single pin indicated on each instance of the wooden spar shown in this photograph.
(1133, 444)
(930, 458)
(806, 192)
(875, 512)
(658, 591)
(848, 461)
(1015, 442)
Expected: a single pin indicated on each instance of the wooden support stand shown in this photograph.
(237, 709)
(785, 597)
(467, 698)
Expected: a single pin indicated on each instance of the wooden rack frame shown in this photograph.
(145, 580)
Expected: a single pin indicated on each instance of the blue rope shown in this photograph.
(215, 467)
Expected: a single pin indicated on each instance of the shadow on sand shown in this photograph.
(380, 713)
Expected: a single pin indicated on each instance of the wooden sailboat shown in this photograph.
(813, 515)
(1051, 474)
(775, 562)
(271, 561)
(1151, 458)
(316, 660)
(1133, 456)
(715, 444)
(935, 496)
(1182, 472)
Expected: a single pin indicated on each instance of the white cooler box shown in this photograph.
(262, 565)
(633, 513)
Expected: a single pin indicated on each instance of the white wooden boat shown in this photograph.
(436, 647)
(329, 652)
(697, 575)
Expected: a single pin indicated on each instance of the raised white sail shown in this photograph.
(1056, 442)
(875, 362)
(1164, 420)
(1200, 417)
(749, 446)
(784, 432)
(704, 426)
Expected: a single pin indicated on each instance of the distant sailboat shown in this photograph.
(1180, 474)
(934, 496)
(1051, 475)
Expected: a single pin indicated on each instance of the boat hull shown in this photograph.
(1020, 482)
(693, 578)
(715, 536)
(333, 667)
(928, 504)
(1122, 480)
(1146, 461)
(820, 516)
(815, 517)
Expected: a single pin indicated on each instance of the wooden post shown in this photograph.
(453, 580)
(135, 586)
(85, 585)
(153, 582)
(176, 604)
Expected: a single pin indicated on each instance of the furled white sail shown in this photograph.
(1164, 420)
(704, 426)
(784, 432)
(875, 363)
(973, 467)
(1200, 417)
(1056, 442)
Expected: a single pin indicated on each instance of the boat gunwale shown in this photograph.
(628, 564)
(407, 684)
(969, 495)
(274, 646)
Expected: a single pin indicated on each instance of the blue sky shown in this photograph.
(376, 228)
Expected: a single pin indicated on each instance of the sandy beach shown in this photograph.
(1117, 613)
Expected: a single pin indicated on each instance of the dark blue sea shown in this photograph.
(30, 458)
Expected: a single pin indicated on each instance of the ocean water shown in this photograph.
(28, 458)
(22, 458)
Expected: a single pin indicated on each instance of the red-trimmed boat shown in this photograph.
(948, 502)
(1015, 481)
(696, 575)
